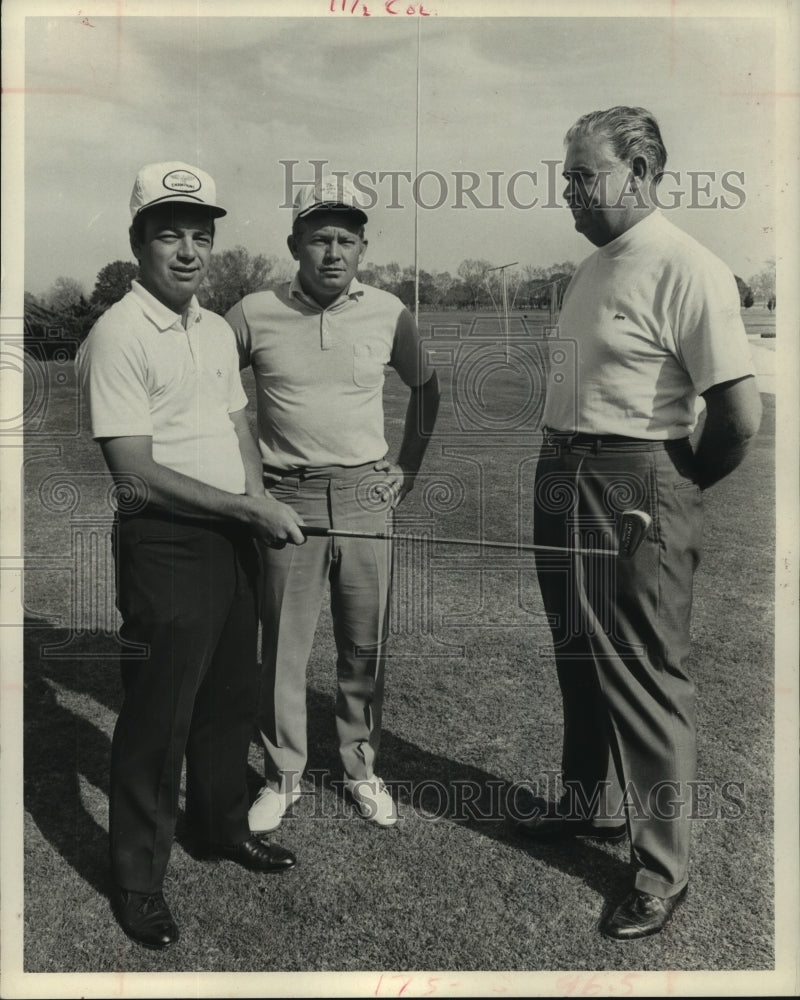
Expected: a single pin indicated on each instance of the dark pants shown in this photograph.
(188, 590)
(621, 638)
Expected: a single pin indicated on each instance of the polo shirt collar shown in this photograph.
(160, 315)
(633, 238)
(353, 292)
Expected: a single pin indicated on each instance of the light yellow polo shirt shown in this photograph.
(143, 373)
(320, 372)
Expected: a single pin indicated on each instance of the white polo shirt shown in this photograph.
(654, 319)
(320, 372)
(143, 373)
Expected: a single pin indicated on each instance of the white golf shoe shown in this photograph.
(373, 800)
(269, 808)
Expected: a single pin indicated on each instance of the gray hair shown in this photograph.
(631, 132)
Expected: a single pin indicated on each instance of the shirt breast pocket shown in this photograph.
(368, 362)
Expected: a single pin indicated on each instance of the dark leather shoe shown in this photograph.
(145, 918)
(255, 854)
(544, 828)
(640, 914)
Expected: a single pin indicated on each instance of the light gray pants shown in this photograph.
(295, 578)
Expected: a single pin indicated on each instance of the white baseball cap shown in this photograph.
(328, 192)
(159, 183)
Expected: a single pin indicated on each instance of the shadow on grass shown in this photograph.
(442, 789)
(61, 746)
(69, 708)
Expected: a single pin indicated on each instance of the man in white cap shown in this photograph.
(318, 349)
(161, 380)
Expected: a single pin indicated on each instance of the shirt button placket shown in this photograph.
(326, 337)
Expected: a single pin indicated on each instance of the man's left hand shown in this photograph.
(399, 482)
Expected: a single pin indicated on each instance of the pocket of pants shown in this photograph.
(156, 531)
(179, 538)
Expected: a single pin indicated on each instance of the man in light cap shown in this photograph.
(318, 349)
(161, 380)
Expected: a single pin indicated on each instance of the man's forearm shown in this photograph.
(131, 463)
(162, 487)
(717, 455)
(423, 407)
(733, 416)
(251, 456)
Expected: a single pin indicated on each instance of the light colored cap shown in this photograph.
(329, 192)
(159, 183)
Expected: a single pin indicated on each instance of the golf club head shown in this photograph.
(633, 525)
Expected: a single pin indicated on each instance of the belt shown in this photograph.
(270, 470)
(580, 439)
(323, 472)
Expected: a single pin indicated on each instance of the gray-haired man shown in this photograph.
(655, 318)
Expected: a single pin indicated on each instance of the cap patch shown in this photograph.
(181, 180)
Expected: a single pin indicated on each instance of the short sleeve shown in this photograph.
(113, 378)
(408, 356)
(710, 336)
(236, 320)
(237, 396)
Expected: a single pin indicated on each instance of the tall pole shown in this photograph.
(502, 269)
(414, 187)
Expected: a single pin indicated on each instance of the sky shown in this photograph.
(243, 96)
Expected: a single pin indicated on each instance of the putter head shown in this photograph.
(633, 525)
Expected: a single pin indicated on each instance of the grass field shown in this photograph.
(472, 707)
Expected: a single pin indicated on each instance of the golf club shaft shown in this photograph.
(475, 543)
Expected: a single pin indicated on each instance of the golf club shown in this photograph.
(633, 525)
